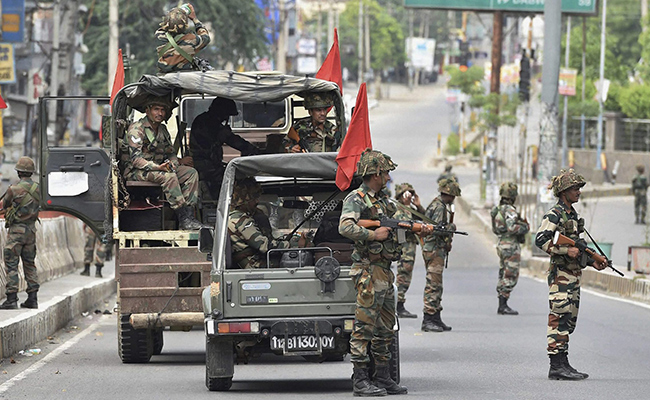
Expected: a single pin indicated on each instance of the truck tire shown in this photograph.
(134, 345)
(219, 364)
(157, 341)
(393, 364)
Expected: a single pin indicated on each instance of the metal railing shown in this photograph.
(636, 135)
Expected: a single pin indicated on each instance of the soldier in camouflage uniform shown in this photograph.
(94, 252)
(316, 133)
(177, 53)
(511, 230)
(152, 158)
(435, 250)
(564, 273)
(374, 251)
(640, 190)
(405, 195)
(21, 202)
(250, 238)
(447, 174)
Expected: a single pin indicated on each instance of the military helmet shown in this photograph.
(175, 21)
(245, 190)
(403, 187)
(223, 106)
(318, 100)
(448, 168)
(566, 180)
(640, 168)
(373, 162)
(508, 190)
(25, 164)
(449, 186)
(164, 101)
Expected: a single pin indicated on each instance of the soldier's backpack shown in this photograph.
(10, 215)
(497, 229)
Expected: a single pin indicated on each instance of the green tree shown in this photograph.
(235, 25)
(635, 101)
(468, 81)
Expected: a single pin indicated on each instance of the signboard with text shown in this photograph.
(536, 6)
(567, 82)
(13, 20)
(7, 65)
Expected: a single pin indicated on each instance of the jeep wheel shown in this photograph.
(219, 363)
(157, 341)
(134, 345)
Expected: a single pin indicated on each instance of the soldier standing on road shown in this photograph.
(374, 251)
(447, 174)
(22, 203)
(210, 131)
(435, 250)
(405, 194)
(315, 132)
(640, 190)
(94, 251)
(511, 230)
(153, 159)
(250, 231)
(564, 273)
(180, 45)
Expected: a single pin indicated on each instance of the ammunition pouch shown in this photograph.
(388, 250)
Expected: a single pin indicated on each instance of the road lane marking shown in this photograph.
(45, 360)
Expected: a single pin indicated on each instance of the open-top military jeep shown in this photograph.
(303, 302)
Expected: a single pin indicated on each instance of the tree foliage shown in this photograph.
(236, 27)
(635, 101)
(468, 81)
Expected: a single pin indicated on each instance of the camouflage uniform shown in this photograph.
(315, 139)
(250, 241)
(511, 229)
(407, 259)
(94, 250)
(447, 174)
(147, 150)
(21, 235)
(375, 307)
(563, 276)
(640, 190)
(170, 59)
(434, 252)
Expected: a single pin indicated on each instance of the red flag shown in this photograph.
(355, 142)
(2, 103)
(331, 68)
(118, 82)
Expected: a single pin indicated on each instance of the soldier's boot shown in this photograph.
(362, 386)
(437, 320)
(559, 371)
(384, 381)
(186, 220)
(403, 312)
(428, 325)
(504, 309)
(98, 271)
(31, 302)
(11, 303)
(86, 271)
(565, 359)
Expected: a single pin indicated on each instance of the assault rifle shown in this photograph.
(403, 226)
(293, 135)
(559, 240)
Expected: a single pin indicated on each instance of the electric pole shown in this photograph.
(360, 45)
(491, 189)
(550, 76)
(113, 41)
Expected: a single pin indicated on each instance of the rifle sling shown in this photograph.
(176, 47)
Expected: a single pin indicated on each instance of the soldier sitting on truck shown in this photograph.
(251, 238)
(152, 158)
(178, 53)
(314, 133)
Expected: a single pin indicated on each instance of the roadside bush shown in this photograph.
(453, 145)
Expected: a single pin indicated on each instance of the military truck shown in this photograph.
(160, 273)
(303, 302)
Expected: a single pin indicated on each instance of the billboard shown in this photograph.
(568, 6)
(13, 20)
(7, 64)
(421, 52)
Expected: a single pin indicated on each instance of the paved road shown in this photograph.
(486, 356)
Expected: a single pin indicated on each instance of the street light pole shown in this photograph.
(601, 92)
(565, 146)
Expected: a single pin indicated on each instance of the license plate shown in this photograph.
(302, 342)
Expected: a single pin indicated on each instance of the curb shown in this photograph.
(635, 287)
(28, 328)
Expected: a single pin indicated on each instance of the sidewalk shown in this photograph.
(59, 302)
(632, 286)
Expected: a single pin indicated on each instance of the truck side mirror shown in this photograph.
(206, 240)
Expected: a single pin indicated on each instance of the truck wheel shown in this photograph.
(134, 345)
(393, 364)
(157, 341)
(219, 364)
